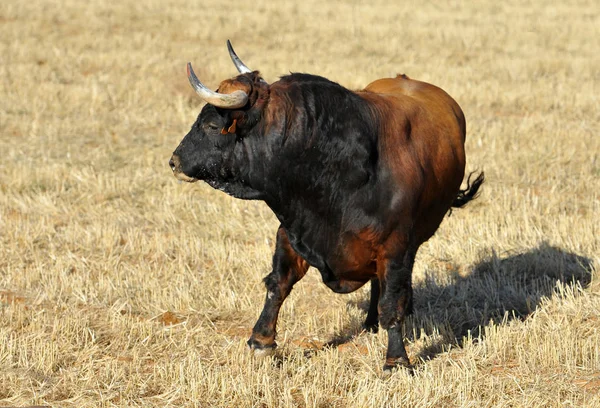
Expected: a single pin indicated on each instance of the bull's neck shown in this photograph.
(313, 143)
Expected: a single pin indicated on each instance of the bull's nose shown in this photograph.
(172, 164)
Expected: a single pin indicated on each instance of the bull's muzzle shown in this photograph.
(175, 165)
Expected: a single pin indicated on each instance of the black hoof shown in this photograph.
(371, 327)
(398, 364)
(256, 346)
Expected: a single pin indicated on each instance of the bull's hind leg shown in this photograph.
(288, 268)
(395, 304)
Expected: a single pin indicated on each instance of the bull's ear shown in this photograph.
(234, 123)
(230, 129)
(241, 120)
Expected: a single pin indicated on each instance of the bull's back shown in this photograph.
(409, 95)
(422, 145)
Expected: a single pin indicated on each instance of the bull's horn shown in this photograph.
(241, 67)
(233, 100)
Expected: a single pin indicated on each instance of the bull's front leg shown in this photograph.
(288, 268)
(372, 320)
(395, 275)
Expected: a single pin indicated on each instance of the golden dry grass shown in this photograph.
(121, 287)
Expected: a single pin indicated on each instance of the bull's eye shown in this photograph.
(212, 126)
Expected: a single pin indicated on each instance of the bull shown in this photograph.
(357, 179)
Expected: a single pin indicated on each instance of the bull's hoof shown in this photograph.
(396, 364)
(371, 327)
(261, 351)
(264, 352)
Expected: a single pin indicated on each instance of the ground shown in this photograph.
(121, 287)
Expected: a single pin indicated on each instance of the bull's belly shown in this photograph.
(345, 266)
(348, 280)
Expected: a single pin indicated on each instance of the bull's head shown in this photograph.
(208, 150)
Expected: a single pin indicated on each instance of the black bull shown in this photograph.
(358, 181)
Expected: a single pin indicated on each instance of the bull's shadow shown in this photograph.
(497, 289)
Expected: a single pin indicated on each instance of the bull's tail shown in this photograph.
(469, 193)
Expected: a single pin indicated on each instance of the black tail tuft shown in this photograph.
(469, 193)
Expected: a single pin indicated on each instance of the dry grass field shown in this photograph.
(121, 287)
